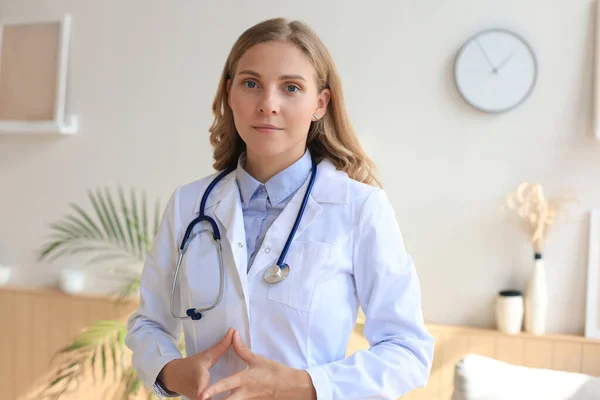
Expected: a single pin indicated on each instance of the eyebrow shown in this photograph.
(282, 77)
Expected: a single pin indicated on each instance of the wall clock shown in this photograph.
(495, 70)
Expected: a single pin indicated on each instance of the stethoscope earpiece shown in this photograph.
(191, 312)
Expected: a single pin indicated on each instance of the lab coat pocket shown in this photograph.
(200, 272)
(310, 265)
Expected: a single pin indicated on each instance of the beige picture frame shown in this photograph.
(33, 76)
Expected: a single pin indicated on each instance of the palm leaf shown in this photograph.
(157, 212)
(93, 366)
(57, 380)
(136, 222)
(49, 249)
(70, 229)
(113, 353)
(95, 335)
(136, 386)
(129, 379)
(66, 245)
(100, 215)
(131, 289)
(107, 256)
(103, 355)
(87, 219)
(110, 219)
(145, 223)
(121, 342)
(82, 224)
(125, 228)
(128, 222)
(116, 219)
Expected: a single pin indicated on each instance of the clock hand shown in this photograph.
(504, 61)
(486, 56)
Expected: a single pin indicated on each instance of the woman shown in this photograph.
(282, 136)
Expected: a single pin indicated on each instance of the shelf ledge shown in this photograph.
(40, 127)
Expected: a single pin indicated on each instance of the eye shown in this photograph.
(249, 84)
(292, 88)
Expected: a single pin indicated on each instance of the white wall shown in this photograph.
(142, 78)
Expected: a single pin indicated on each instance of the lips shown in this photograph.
(267, 128)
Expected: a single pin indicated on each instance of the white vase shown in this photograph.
(5, 272)
(537, 299)
(72, 281)
(509, 312)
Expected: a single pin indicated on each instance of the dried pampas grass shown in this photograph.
(535, 212)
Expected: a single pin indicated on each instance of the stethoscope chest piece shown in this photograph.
(275, 274)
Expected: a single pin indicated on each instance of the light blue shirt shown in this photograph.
(262, 204)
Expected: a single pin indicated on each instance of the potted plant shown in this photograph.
(118, 235)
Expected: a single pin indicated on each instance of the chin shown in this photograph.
(267, 150)
(264, 146)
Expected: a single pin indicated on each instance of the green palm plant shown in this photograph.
(118, 232)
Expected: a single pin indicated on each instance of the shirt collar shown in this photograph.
(280, 186)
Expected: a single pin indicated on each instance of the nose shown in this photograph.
(269, 102)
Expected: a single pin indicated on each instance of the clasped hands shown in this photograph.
(262, 379)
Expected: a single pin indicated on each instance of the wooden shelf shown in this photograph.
(522, 335)
(50, 293)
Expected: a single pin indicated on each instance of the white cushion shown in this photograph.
(482, 378)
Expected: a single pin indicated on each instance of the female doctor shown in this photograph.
(290, 238)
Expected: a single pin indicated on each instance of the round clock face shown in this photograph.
(495, 70)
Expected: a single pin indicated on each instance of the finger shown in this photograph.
(238, 394)
(242, 350)
(232, 382)
(212, 355)
(203, 382)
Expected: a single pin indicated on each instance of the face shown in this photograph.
(273, 96)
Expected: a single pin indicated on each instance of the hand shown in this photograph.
(487, 58)
(504, 61)
(189, 376)
(264, 379)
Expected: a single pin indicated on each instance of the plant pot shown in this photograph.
(537, 299)
(509, 311)
(72, 281)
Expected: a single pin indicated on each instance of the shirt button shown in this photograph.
(267, 250)
(240, 245)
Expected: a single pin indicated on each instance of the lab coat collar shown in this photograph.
(331, 186)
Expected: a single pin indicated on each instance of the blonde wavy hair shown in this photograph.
(331, 137)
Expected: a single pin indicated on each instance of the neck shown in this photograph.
(263, 168)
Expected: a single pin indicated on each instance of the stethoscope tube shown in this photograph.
(278, 272)
(196, 313)
(274, 274)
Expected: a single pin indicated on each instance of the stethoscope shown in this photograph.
(274, 274)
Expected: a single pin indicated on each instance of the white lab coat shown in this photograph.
(348, 251)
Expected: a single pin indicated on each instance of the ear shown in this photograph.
(322, 102)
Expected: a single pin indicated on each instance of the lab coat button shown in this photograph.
(267, 250)
(240, 245)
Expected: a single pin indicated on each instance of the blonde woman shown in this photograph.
(264, 264)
